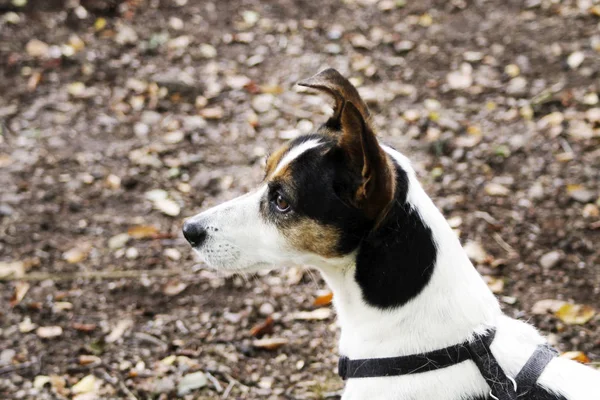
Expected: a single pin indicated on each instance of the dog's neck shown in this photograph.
(446, 309)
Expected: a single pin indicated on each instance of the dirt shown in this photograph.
(491, 101)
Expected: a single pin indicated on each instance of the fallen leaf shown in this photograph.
(315, 315)
(119, 330)
(547, 306)
(264, 328)
(575, 314)
(142, 231)
(49, 332)
(323, 300)
(576, 356)
(270, 343)
(21, 289)
(173, 288)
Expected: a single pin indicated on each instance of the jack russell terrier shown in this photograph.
(417, 320)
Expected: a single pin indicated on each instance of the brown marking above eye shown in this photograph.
(309, 235)
(274, 160)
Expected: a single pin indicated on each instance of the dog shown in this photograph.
(404, 288)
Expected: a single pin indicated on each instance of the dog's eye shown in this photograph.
(282, 204)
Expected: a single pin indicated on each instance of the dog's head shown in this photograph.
(321, 195)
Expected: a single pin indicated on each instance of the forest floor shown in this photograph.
(119, 121)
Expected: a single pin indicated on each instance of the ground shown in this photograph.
(120, 119)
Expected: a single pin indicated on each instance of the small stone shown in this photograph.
(473, 56)
(173, 137)
(550, 259)
(212, 113)
(132, 253)
(460, 79)
(496, 189)
(36, 48)
(590, 211)
(180, 42)
(332, 48)
(193, 123)
(536, 191)
(266, 309)
(590, 99)
(207, 51)
(516, 86)
(512, 70)
(49, 332)
(575, 59)
(173, 254)
(593, 115)
(126, 35)
(118, 241)
(191, 382)
(150, 117)
(580, 194)
(164, 385)
(404, 46)
(176, 23)
(141, 130)
(262, 102)
(411, 116)
(168, 207)
(6, 356)
(86, 385)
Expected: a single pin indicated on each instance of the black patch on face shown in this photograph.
(395, 262)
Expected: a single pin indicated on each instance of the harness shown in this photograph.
(502, 386)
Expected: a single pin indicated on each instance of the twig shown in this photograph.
(151, 339)
(12, 368)
(42, 276)
(228, 389)
(214, 381)
(507, 247)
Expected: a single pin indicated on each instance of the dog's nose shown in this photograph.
(194, 233)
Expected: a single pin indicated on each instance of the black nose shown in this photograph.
(194, 233)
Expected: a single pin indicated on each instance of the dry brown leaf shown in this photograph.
(323, 300)
(575, 314)
(143, 231)
(547, 306)
(264, 328)
(21, 289)
(270, 343)
(83, 327)
(576, 356)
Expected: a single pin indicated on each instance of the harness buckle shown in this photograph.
(343, 367)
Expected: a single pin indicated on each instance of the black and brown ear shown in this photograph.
(376, 192)
(334, 84)
(357, 140)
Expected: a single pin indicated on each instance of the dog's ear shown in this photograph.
(364, 155)
(334, 84)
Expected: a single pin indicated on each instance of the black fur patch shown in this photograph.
(395, 262)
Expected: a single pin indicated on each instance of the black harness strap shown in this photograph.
(502, 387)
(534, 367)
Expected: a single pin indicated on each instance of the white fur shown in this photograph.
(455, 304)
(296, 152)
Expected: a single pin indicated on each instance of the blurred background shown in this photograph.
(118, 119)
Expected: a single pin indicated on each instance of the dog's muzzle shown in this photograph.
(195, 233)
